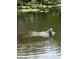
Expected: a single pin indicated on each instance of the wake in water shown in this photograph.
(47, 33)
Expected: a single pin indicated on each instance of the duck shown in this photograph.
(50, 32)
(47, 33)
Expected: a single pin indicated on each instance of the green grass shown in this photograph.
(29, 10)
(36, 8)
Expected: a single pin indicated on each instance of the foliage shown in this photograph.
(41, 5)
(25, 2)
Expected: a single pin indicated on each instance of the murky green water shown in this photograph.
(38, 47)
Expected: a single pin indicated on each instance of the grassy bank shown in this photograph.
(37, 8)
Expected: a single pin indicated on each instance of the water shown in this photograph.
(40, 46)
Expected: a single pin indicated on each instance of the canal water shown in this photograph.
(34, 46)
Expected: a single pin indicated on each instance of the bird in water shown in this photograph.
(50, 32)
(47, 33)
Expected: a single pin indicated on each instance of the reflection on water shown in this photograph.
(38, 47)
(40, 50)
